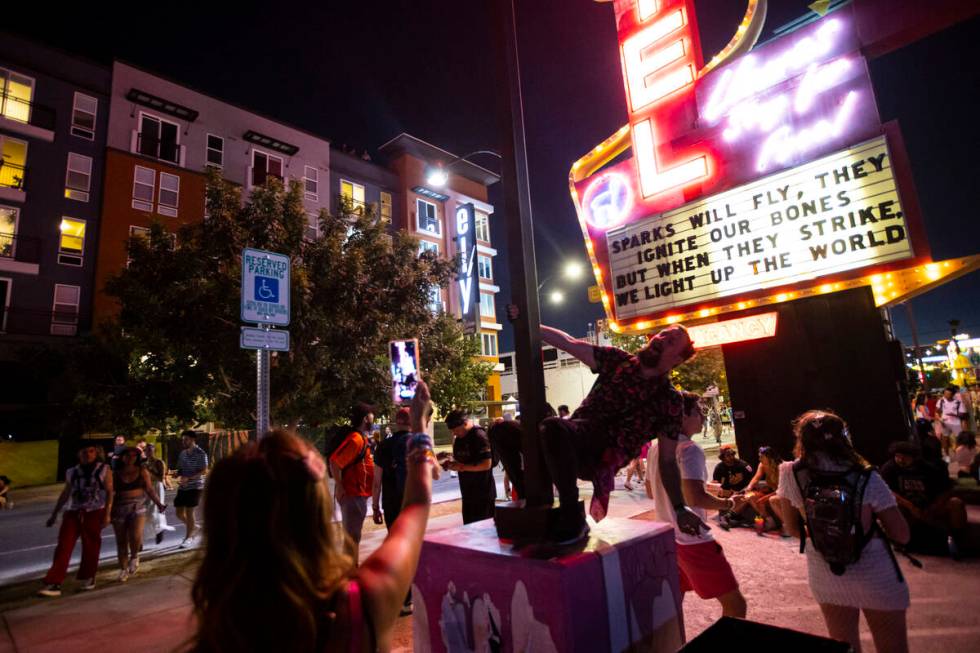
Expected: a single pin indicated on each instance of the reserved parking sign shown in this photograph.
(265, 287)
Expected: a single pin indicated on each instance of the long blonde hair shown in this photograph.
(273, 558)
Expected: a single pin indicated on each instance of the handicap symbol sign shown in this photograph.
(267, 289)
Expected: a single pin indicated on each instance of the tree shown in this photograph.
(449, 359)
(354, 288)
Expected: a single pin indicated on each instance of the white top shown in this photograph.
(692, 465)
(950, 409)
(877, 495)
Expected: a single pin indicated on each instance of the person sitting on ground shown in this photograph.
(924, 494)
(275, 575)
(825, 464)
(761, 491)
(733, 473)
(133, 487)
(701, 560)
(966, 451)
(5, 502)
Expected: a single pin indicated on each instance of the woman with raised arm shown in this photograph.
(276, 575)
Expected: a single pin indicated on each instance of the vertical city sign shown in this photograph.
(265, 287)
(467, 277)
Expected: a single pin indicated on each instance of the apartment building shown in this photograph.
(162, 138)
(53, 126)
(365, 183)
(428, 213)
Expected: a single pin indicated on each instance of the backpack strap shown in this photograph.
(361, 455)
(798, 467)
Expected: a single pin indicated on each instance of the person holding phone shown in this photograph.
(473, 461)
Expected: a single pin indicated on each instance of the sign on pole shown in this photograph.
(467, 278)
(265, 287)
(264, 339)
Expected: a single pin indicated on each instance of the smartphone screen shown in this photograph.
(404, 356)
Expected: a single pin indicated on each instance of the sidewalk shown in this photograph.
(771, 572)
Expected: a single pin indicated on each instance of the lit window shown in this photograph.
(488, 344)
(8, 230)
(78, 179)
(215, 154)
(265, 166)
(428, 246)
(486, 305)
(169, 194)
(435, 299)
(312, 231)
(385, 207)
(484, 266)
(83, 112)
(13, 170)
(311, 183)
(72, 236)
(16, 93)
(482, 227)
(158, 138)
(353, 192)
(144, 183)
(427, 218)
(64, 311)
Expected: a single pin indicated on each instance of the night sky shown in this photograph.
(360, 73)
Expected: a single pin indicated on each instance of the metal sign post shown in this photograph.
(265, 301)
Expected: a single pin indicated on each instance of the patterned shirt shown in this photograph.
(192, 461)
(626, 410)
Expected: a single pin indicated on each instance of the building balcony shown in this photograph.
(27, 118)
(20, 254)
(157, 148)
(13, 179)
(17, 321)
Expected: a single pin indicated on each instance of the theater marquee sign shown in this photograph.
(759, 177)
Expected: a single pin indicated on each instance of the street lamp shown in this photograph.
(438, 175)
(556, 297)
(573, 270)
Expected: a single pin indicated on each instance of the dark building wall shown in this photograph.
(829, 352)
(372, 176)
(57, 77)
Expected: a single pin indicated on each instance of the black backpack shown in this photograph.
(832, 504)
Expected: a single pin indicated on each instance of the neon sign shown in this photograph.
(467, 278)
(609, 200)
(658, 64)
(740, 329)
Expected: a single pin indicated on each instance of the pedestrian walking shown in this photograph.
(951, 412)
(88, 492)
(192, 466)
(118, 446)
(849, 512)
(700, 559)
(157, 470)
(473, 461)
(132, 487)
(353, 471)
(275, 575)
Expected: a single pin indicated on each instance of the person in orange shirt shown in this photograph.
(352, 467)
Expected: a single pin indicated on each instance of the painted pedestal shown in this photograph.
(619, 592)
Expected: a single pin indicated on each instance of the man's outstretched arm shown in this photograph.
(580, 349)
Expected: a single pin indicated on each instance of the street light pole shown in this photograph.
(520, 243)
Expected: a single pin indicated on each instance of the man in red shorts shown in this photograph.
(703, 566)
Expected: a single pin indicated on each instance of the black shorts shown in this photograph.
(187, 498)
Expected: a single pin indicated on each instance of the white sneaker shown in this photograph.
(123, 576)
(134, 564)
(87, 585)
(184, 543)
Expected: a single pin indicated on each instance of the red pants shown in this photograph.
(75, 523)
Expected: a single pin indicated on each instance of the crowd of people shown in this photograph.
(270, 531)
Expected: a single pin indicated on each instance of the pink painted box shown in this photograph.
(618, 592)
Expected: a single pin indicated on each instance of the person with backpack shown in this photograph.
(473, 460)
(88, 492)
(352, 468)
(850, 517)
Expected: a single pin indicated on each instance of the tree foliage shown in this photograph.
(354, 288)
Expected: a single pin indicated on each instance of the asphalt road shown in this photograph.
(26, 545)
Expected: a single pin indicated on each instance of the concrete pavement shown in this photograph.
(155, 612)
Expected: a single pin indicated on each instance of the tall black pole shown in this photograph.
(520, 243)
